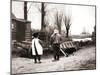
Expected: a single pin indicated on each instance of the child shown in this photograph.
(37, 49)
(55, 41)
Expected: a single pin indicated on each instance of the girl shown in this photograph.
(37, 49)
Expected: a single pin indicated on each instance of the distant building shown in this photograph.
(85, 33)
(21, 29)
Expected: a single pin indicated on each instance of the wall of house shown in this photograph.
(21, 31)
(28, 32)
(13, 30)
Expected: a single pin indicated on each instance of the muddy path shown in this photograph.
(80, 60)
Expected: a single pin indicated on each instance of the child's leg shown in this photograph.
(39, 58)
(57, 57)
(35, 59)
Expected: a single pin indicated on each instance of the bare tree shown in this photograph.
(25, 10)
(43, 13)
(67, 21)
(42, 10)
(58, 20)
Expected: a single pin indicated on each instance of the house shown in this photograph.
(20, 28)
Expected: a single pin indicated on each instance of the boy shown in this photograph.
(55, 41)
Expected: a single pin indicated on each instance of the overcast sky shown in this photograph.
(82, 17)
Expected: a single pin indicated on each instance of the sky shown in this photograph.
(82, 17)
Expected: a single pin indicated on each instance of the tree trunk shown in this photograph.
(42, 17)
(25, 10)
(67, 33)
(60, 30)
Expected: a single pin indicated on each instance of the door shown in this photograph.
(20, 31)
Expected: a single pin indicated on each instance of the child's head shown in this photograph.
(36, 35)
(56, 31)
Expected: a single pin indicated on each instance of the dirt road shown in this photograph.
(82, 59)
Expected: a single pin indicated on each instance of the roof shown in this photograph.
(21, 20)
(13, 17)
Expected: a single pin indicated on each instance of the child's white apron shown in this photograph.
(38, 47)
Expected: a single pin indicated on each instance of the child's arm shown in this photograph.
(41, 42)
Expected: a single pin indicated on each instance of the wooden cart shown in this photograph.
(67, 45)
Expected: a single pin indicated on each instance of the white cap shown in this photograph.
(56, 31)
